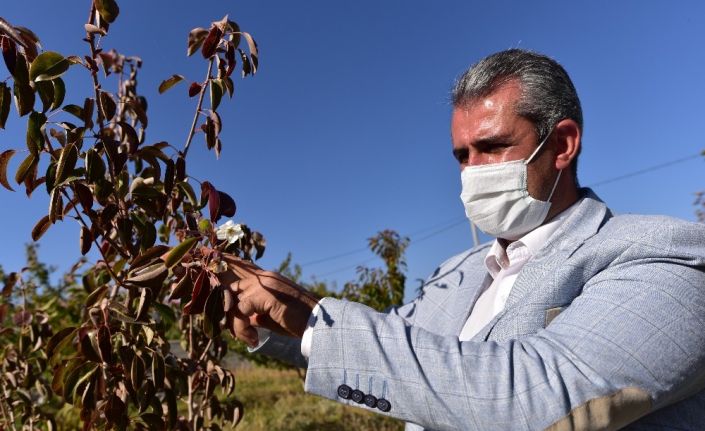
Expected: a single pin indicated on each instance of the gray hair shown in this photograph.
(548, 94)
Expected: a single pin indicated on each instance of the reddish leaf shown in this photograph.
(86, 240)
(194, 89)
(227, 205)
(211, 43)
(5, 99)
(201, 290)
(85, 196)
(9, 53)
(4, 160)
(183, 288)
(41, 227)
(10, 281)
(209, 193)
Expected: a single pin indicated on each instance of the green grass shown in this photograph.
(275, 400)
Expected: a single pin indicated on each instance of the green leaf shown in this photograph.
(5, 98)
(74, 110)
(95, 168)
(147, 275)
(24, 98)
(189, 192)
(60, 340)
(25, 168)
(41, 227)
(96, 295)
(35, 138)
(45, 89)
(143, 305)
(67, 162)
(170, 82)
(59, 93)
(216, 93)
(47, 66)
(178, 252)
(107, 9)
(4, 160)
(56, 206)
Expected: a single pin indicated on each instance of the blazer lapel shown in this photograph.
(590, 214)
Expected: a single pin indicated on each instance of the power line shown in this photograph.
(457, 221)
(646, 170)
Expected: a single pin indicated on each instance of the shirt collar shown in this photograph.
(526, 246)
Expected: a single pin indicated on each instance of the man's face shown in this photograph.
(489, 131)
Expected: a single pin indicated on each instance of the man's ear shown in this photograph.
(568, 134)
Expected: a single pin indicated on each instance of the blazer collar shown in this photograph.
(585, 221)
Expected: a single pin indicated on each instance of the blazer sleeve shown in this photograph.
(631, 343)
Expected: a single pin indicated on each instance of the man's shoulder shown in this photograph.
(468, 258)
(649, 228)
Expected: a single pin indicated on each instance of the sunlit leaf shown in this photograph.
(137, 372)
(144, 304)
(108, 9)
(66, 163)
(158, 370)
(60, 340)
(4, 160)
(146, 275)
(59, 93)
(95, 167)
(170, 82)
(216, 93)
(5, 97)
(254, 54)
(195, 39)
(40, 228)
(179, 251)
(35, 137)
(47, 66)
(25, 168)
(56, 206)
(24, 98)
(92, 29)
(187, 190)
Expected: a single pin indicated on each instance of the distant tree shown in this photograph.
(381, 288)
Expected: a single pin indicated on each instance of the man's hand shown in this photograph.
(263, 298)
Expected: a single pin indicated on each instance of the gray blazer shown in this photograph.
(604, 328)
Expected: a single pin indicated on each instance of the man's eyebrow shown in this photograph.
(493, 140)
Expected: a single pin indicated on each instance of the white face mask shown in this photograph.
(497, 200)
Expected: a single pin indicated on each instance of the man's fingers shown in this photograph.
(243, 331)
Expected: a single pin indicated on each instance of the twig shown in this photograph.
(198, 109)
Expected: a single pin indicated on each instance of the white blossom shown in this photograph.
(230, 232)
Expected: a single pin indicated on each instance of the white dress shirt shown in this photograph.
(503, 266)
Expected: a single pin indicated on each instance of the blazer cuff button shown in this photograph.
(370, 401)
(384, 405)
(357, 396)
(344, 392)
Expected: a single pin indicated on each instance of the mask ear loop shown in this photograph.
(555, 184)
(531, 157)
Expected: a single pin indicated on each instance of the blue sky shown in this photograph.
(344, 130)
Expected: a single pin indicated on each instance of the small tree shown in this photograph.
(130, 196)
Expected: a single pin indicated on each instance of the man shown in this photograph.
(574, 318)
